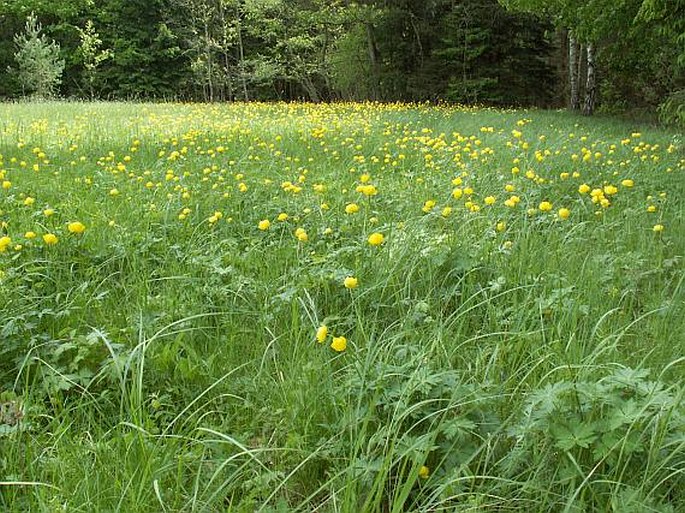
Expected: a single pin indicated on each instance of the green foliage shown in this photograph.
(11, 417)
(483, 46)
(39, 66)
(91, 54)
(581, 433)
(669, 20)
(404, 413)
(672, 111)
(639, 42)
(466, 52)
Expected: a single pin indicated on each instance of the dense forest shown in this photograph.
(612, 55)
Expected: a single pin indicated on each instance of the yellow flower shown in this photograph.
(651, 209)
(501, 226)
(457, 193)
(6, 184)
(428, 206)
(424, 472)
(339, 344)
(76, 227)
(264, 224)
(584, 188)
(545, 206)
(47, 212)
(4, 242)
(30, 235)
(489, 200)
(114, 192)
(351, 282)
(351, 208)
(282, 217)
(446, 211)
(564, 213)
(369, 190)
(29, 201)
(627, 183)
(512, 202)
(321, 333)
(658, 228)
(376, 239)
(50, 239)
(301, 235)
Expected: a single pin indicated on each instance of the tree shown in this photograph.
(39, 67)
(90, 54)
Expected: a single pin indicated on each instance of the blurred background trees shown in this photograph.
(614, 56)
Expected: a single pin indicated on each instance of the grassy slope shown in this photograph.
(171, 364)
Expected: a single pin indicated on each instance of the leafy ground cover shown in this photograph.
(348, 307)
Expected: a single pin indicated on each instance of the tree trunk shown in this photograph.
(309, 86)
(375, 62)
(582, 70)
(573, 72)
(208, 62)
(225, 46)
(241, 61)
(590, 84)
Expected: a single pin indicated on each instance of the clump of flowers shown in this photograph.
(301, 235)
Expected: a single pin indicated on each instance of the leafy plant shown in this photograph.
(598, 438)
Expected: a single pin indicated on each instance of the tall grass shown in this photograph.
(498, 358)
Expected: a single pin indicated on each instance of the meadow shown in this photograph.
(339, 308)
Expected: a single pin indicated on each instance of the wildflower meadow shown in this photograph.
(352, 307)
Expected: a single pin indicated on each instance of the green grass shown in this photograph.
(499, 358)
